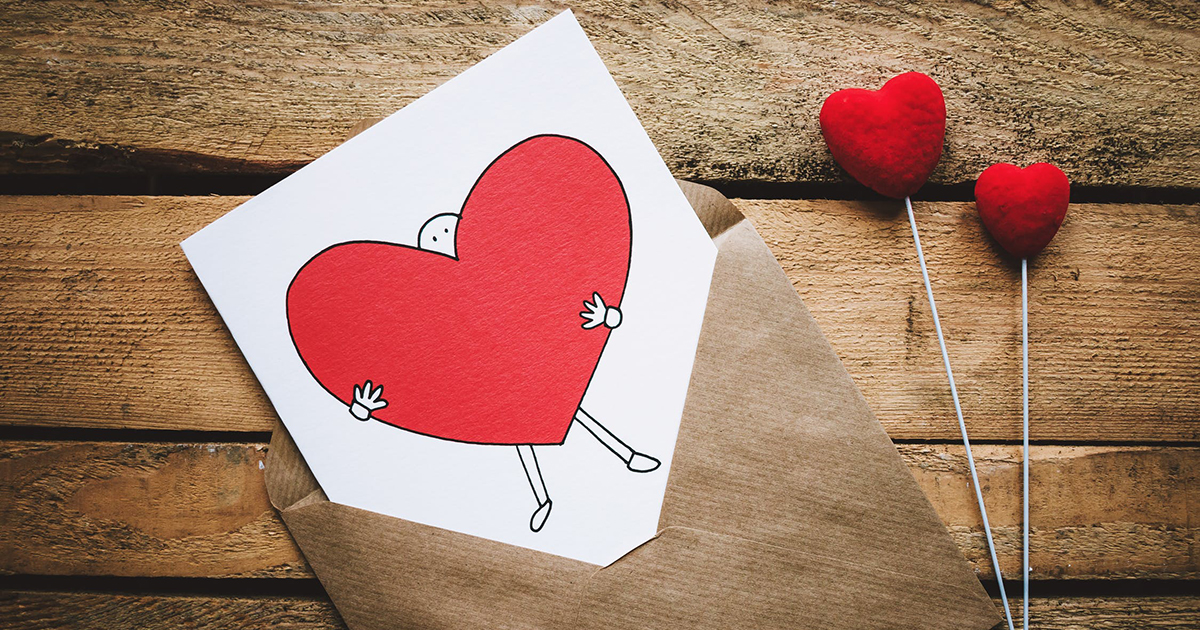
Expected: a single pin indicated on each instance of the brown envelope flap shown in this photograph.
(384, 572)
(716, 213)
(777, 451)
(777, 444)
(288, 477)
(688, 578)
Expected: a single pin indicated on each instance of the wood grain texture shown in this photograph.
(200, 510)
(25, 610)
(1114, 316)
(141, 510)
(58, 610)
(727, 91)
(103, 323)
(1095, 512)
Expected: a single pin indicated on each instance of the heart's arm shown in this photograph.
(367, 400)
(598, 313)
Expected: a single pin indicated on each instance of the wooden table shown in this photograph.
(132, 433)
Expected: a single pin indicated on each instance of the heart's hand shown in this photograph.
(367, 400)
(597, 313)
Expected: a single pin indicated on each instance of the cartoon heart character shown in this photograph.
(477, 332)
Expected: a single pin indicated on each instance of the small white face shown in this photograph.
(439, 235)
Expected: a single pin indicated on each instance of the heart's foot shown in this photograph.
(540, 516)
(642, 463)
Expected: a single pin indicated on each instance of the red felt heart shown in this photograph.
(889, 140)
(1022, 208)
(487, 347)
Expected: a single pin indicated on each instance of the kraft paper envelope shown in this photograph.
(787, 505)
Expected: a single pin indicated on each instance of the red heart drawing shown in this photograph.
(1022, 208)
(889, 140)
(487, 347)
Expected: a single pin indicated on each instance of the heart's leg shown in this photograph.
(534, 474)
(635, 461)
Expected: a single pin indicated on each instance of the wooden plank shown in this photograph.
(25, 610)
(103, 324)
(1095, 512)
(200, 510)
(1114, 315)
(727, 91)
(35, 610)
(178, 510)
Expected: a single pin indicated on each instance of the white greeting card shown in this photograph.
(481, 313)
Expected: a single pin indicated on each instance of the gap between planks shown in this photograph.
(190, 184)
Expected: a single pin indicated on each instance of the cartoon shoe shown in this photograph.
(642, 463)
(540, 515)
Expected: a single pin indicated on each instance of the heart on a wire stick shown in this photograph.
(480, 341)
(889, 140)
(1022, 208)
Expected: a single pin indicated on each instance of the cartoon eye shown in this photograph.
(447, 230)
(435, 239)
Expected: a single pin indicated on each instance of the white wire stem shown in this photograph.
(1025, 443)
(987, 528)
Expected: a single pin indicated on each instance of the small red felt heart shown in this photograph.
(1022, 208)
(889, 140)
